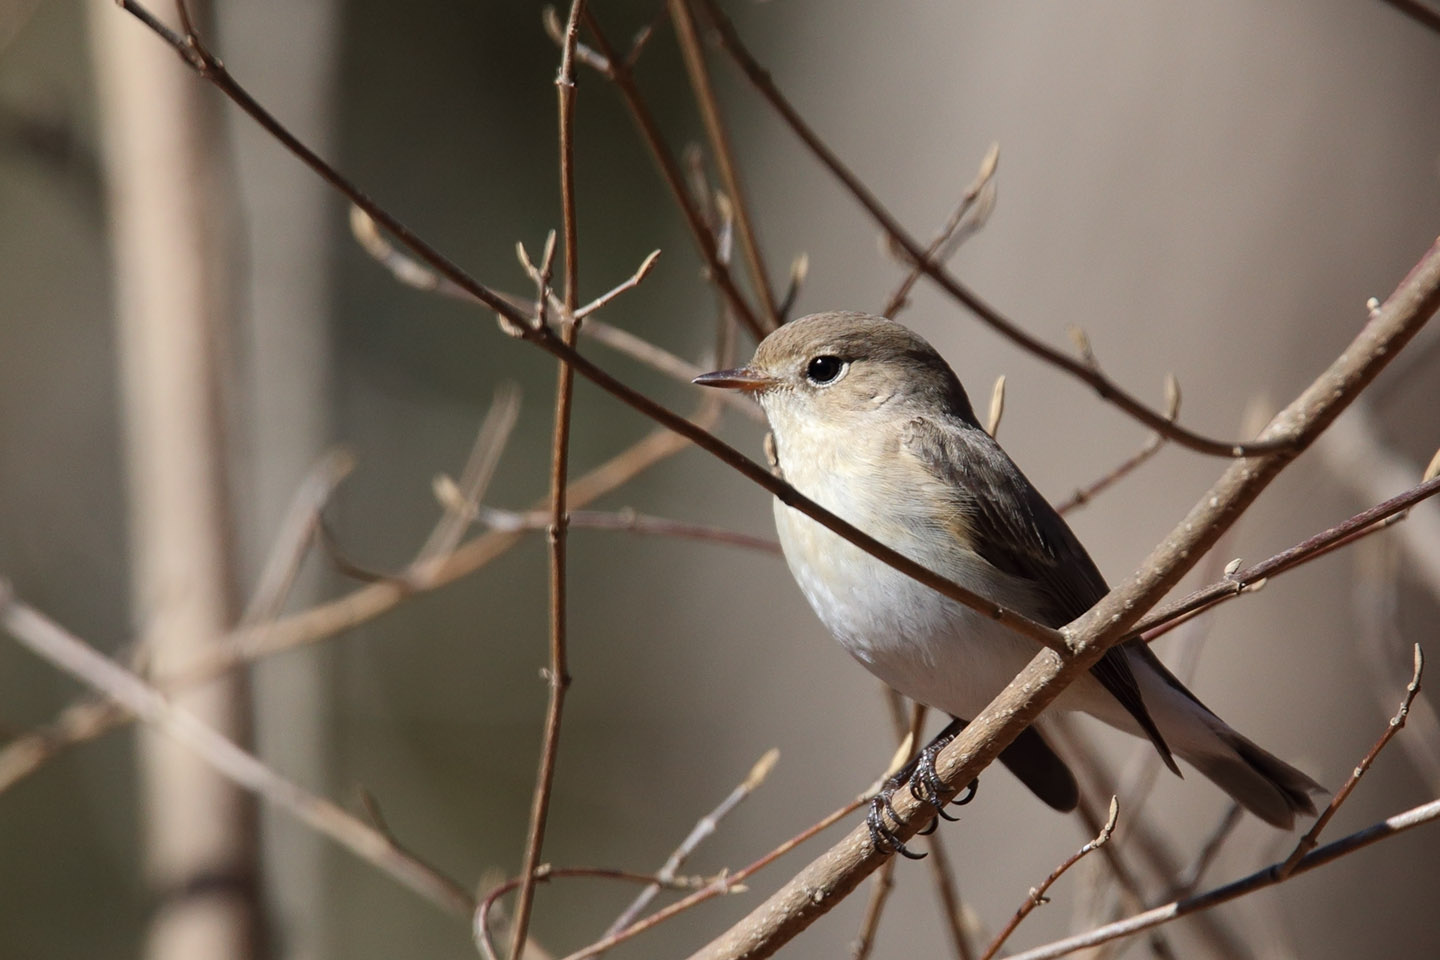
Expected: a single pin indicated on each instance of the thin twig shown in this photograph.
(1378, 582)
(623, 78)
(1156, 441)
(557, 676)
(546, 339)
(415, 274)
(724, 155)
(1234, 813)
(723, 884)
(544, 874)
(880, 890)
(1306, 550)
(949, 237)
(86, 721)
(1397, 722)
(702, 830)
(629, 521)
(1037, 894)
(1392, 826)
(1108, 390)
(48, 640)
(826, 881)
(475, 479)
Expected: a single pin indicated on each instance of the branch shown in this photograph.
(619, 73)
(1250, 578)
(1108, 390)
(1397, 722)
(724, 156)
(64, 650)
(826, 881)
(703, 829)
(546, 339)
(1037, 894)
(1303, 858)
(558, 674)
(627, 520)
(87, 720)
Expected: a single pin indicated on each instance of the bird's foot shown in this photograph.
(925, 786)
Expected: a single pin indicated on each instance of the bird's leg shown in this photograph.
(925, 785)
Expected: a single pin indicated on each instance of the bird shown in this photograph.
(867, 420)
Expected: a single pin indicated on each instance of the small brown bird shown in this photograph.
(869, 422)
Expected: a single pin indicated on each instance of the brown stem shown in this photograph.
(1414, 817)
(1323, 542)
(826, 881)
(1108, 390)
(622, 76)
(724, 156)
(67, 652)
(558, 674)
(1037, 895)
(1397, 722)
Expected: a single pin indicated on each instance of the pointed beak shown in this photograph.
(741, 378)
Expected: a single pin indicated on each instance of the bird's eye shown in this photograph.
(824, 369)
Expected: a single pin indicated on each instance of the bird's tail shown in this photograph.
(1261, 782)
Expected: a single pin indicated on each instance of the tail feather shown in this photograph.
(1262, 783)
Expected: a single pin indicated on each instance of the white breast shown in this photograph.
(927, 647)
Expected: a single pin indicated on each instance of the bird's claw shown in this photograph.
(926, 787)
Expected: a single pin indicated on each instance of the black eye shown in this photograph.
(823, 369)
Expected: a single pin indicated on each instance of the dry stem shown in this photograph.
(50, 641)
(1037, 894)
(829, 878)
(1108, 390)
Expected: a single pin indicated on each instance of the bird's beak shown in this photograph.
(741, 378)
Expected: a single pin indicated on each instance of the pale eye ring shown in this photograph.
(824, 369)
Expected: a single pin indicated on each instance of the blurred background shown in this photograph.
(1212, 190)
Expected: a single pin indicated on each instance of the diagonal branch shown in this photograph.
(719, 138)
(826, 881)
(546, 339)
(1108, 390)
(69, 653)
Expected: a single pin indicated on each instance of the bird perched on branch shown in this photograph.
(869, 422)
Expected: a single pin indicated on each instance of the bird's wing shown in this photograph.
(1033, 545)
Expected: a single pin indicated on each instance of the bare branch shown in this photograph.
(1106, 388)
(957, 229)
(1414, 817)
(51, 642)
(1253, 577)
(702, 830)
(1152, 446)
(87, 721)
(546, 873)
(1312, 836)
(720, 147)
(1037, 894)
(835, 873)
(474, 481)
(558, 674)
(626, 520)
(620, 74)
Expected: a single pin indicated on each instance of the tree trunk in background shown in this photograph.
(290, 218)
(165, 203)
